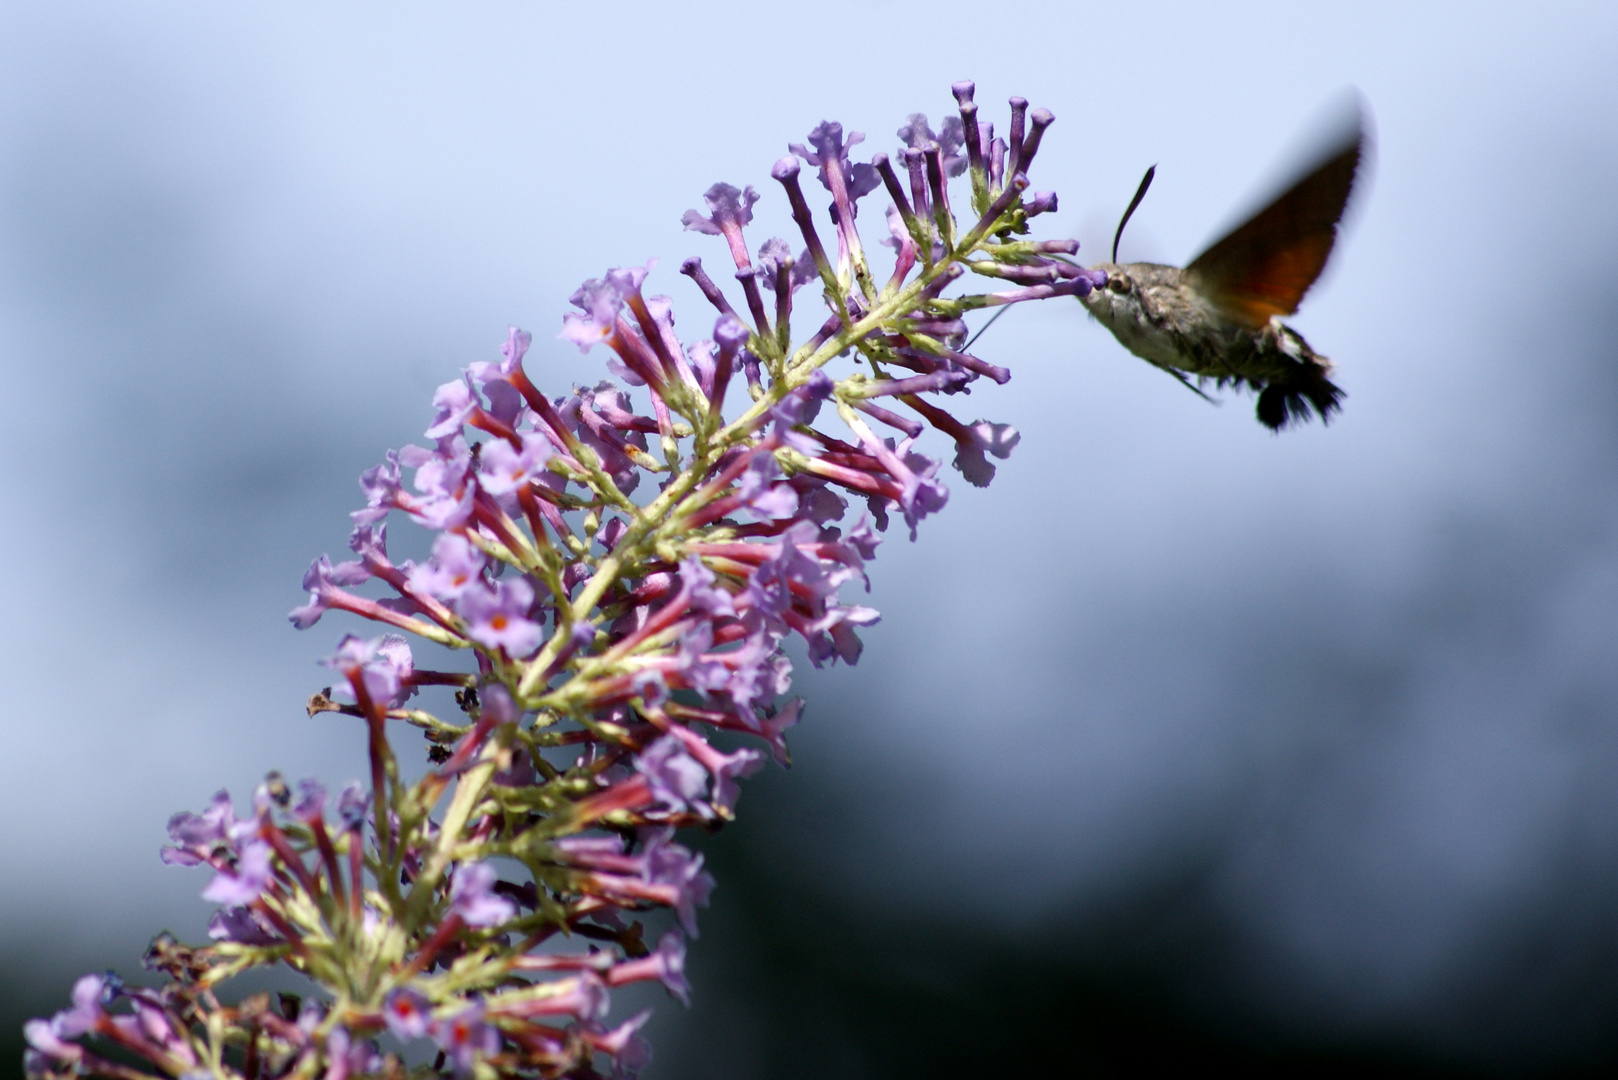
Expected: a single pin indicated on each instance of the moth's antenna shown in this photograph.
(1140, 193)
(985, 326)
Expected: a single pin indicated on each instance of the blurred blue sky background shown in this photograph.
(1335, 713)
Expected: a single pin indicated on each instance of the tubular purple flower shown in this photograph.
(1021, 274)
(380, 665)
(675, 776)
(773, 725)
(507, 405)
(628, 279)
(370, 542)
(630, 1052)
(497, 617)
(464, 1036)
(785, 172)
(246, 881)
(704, 592)
(802, 405)
(503, 469)
(584, 996)
(759, 670)
(1040, 202)
(775, 255)
(91, 994)
(725, 769)
(864, 540)
(818, 502)
(407, 1013)
(729, 209)
(442, 477)
(590, 849)
(766, 599)
(600, 302)
(346, 1056)
(730, 334)
(380, 483)
(471, 896)
(947, 330)
(692, 268)
(612, 405)
(455, 403)
(1038, 121)
(456, 565)
(846, 182)
(665, 964)
(892, 419)
(160, 1028)
(901, 201)
(972, 441)
(997, 439)
(638, 349)
(921, 495)
(498, 705)
(918, 384)
(241, 925)
(963, 92)
(918, 135)
(759, 493)
(755, 299)
(351, 806)
(650, 687)
(937, 187)
(482, 374)
(1014, 139)
(44, 1040)
(1079, 286)
(899, 238)
(196, 836)
(615, 449)
(700, 356)
(830, 155)
(696, 669)
(321, 581)
(656, 317)
(611, 532)
(832, 634)
(393, 652)
(997, 153)
(512, 352)
(673, 865)
(311, 805)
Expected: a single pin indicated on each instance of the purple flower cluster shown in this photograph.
(623, 567)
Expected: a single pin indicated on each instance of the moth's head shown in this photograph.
(1115, 300)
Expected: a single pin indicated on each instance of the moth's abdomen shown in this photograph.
(1300, 385)
(1298, 396)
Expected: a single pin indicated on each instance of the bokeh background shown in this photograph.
(1182, 744)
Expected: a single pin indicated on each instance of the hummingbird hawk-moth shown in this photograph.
(1219, 318)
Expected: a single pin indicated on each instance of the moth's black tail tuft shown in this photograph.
(1303, 393)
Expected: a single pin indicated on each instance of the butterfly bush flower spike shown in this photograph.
(595, 650)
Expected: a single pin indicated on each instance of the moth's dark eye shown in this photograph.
(1118, 283)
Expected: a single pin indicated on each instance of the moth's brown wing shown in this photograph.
(1264, 266)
